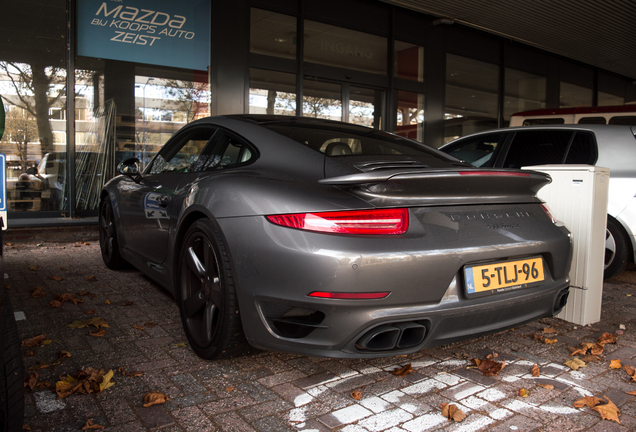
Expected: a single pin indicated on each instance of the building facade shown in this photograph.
(141, 69)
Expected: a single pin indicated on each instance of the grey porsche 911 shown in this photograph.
(324, 238)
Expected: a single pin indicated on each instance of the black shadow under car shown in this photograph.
(329, 239)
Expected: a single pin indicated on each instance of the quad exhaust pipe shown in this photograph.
(393, 336)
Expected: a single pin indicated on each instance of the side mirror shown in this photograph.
(130, 167)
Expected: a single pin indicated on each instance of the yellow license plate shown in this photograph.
(508, 274)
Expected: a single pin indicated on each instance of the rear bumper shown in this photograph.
(276, 268)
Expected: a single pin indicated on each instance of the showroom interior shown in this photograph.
(429, 70)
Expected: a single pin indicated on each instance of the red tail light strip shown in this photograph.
(362, 222)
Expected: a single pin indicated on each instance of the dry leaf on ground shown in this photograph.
(33, 268)
(97, 332)
(154, 398)
(546, 386)
(549, 330)
(91, 278)
(489, 367)
(32, 342)
(403, 371)
(575, 363)
(90, 425)
(615, 364)
(523, 392)
(57, 278)
(631, 393)
(31, 381)
(590, 401)
(630, 371)
(535, 371)
(36, 292)
(608, 411)
(90, 312)
(356, 394)
(451, 412)
(607, 338)
(128, 303)
(88, 381)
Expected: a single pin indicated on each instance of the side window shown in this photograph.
(623, 120)
(228, 151)
(583, 149)
(538, 148)
(480, 150)
(543, 121)
(183, 153)
(592, 120)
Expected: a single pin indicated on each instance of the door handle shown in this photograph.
(164, 200)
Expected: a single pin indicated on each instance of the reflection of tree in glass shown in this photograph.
(190, 97)
(361, 113)
(285, 103)
(318, 107)
(37, 87)
(21, 128)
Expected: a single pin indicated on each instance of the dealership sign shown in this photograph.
(160, 32)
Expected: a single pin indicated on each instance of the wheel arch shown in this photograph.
(628, 234)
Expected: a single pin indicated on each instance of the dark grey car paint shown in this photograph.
(496, 221)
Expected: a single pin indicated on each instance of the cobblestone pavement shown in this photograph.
(284, 392)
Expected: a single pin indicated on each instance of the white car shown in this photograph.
(611, 146)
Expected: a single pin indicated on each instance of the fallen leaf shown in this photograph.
(26, 427)
(630, 371)
(78, 245)
(590, 401)
(55, 304)
(128, 303)
(180, 345)
(57, 278)
(631, 393)
(34, 341)
(492, 356)
(36, 292)
(90, 312)
(154, 398)
(64, 354)
(87, 381)
(546, 386)
(608, 411)
(229, 389)
(106, 383)
(33, 268)
(535, 371)
(83, 293)
(46, 341)
(607, 338)
(596, 350)
(549, 330)
(523, 392)
(91, 426)
(575, 363)
(97, 332)
(86, 243)
(29, 353)
(403, 371)
(107, 302)
(31, 381)
(451, 412)
(489, 367)
(591, 358)
(138, 327)
(40, 365)
(356, 394)
(550, 341)
(615, 364)
(91, 278)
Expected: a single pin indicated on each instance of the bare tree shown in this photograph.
(37, 87)
(189, 96)
(21, 129)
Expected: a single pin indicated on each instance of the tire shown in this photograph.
(12, 391)
(617, 249)
(108, 242)
(207, 295)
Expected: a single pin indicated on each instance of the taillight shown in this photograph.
(547, 211)
(362, 222)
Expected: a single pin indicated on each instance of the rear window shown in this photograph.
(623, 120)
(344, 140)
(480, 150)
(592, 120)
(551, 147)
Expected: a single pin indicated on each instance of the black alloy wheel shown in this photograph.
(207, 298)
(108, 242)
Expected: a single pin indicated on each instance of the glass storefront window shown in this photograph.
(523, 92)
(322, 100)
(572, 95)
(607, 99)
(472, 88)
(410, 115)
(34, 95)
(272, 92)
(366, 106)
(349, 49)
(409, 61)
(272, 33)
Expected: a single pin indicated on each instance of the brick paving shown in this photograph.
(285, 392)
